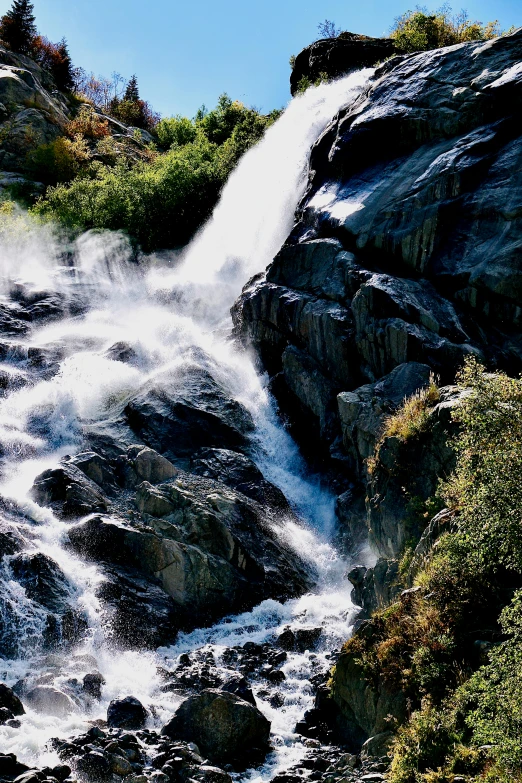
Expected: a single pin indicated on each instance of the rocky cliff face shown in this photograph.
(406, 257)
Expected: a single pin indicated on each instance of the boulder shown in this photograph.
(93, 766)
(92, 684)
(177, 414)
(68, 491)
(10, 701)
(97, 469)
(127, 713)
(300, 639)
(50, 701)
(10, 767)
(226, 728)
(150, 466)
(239, 686)
(378, 745)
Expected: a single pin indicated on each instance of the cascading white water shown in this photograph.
(165, 308)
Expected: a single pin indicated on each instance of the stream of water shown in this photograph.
(170, 309)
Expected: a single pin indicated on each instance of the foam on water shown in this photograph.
(173, 311)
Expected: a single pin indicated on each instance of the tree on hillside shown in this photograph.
(327, 29)
(131, 91)
(63, 68)
(56, 59)
(18, 28)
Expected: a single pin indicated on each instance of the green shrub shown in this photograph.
(175, 131)
(486, 486)
(58, 161)
(162, 200)
(497, 690)
(420, 30)
(159, 203)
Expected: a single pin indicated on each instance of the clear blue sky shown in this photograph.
(186, 52)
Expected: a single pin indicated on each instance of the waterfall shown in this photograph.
(172, 309)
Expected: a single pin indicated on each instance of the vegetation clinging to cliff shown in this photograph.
(433, 643)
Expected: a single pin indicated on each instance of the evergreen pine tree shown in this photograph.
(131, 91)
(18, 28)
(62, 67)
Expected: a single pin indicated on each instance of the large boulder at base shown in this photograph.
(127, 713)
(226, 729)
(10, 700)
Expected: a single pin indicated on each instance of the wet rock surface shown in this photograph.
(403, 261)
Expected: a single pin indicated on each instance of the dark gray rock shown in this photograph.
(375, 588)
(406, 252)
(176, 415)
(240, 687)
(68, 491)
(300, 639)
(42, 579)
(9, 700)
(406, 474)
(239, 472)
(338, 56)
(226, 728)
(212, 549)
(363, 411)
(127, 713)
(92, 684)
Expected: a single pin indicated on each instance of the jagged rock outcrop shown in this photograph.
(338, 56)
(369, 705)
(406, 253)
(177, 549)
(32, 110)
